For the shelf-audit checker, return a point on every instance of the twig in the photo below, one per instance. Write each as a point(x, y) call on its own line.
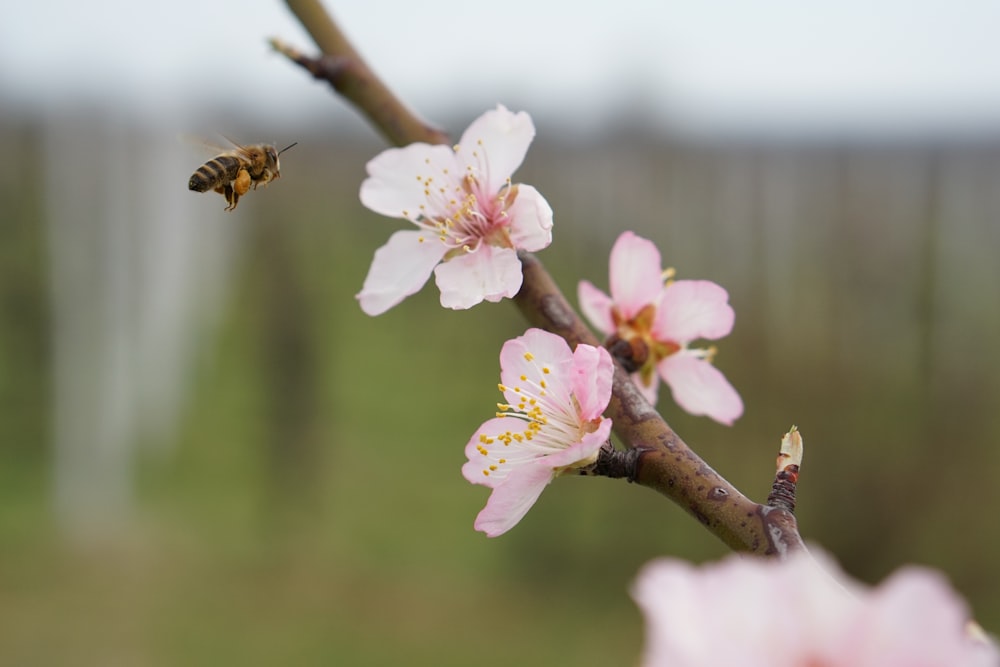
point(787, 477)
point(350, 76)
point(664, 462)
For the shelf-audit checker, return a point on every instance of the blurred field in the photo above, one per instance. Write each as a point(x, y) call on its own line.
point(306, 506)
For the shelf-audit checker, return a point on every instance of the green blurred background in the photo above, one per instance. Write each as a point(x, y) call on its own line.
point(301, 501)
point(209, 455)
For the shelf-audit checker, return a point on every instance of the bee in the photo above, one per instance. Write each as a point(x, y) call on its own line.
point(231, 173)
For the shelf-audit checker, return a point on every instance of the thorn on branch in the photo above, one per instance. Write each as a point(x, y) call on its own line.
point(786, 478)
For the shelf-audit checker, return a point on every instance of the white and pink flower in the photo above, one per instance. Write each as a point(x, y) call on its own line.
point(551, 424)
point(660, 319)
point(471, 220)
point(768, 613)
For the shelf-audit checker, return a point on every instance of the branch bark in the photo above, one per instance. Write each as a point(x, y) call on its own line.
point(664, 463)
point(351, 77)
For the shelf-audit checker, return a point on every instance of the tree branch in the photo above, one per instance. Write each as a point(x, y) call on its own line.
point(350, 76)
point(664, 462)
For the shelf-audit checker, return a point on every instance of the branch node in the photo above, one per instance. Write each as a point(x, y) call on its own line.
point(614, 463)
point(331, 69)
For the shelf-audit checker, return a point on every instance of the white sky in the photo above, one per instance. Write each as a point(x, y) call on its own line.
point(887, 66)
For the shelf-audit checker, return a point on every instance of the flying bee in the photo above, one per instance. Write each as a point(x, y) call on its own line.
point(231, 173)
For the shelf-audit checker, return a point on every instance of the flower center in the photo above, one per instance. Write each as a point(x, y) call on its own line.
point(646, 350)
point(462, 212)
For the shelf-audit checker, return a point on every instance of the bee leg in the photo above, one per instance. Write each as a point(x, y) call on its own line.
point(264, 179)
point(242, 183)
point(232, 197)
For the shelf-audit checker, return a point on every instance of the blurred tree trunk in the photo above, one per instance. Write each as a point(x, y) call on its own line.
point(289, 363)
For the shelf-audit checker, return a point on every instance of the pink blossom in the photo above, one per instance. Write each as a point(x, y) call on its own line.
point(551, 424)
point(659, 320)
point(767, 613)
point(471, 220)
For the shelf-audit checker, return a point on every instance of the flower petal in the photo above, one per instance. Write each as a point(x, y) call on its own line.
point(511, 500)
point(530, 220)
point(913, 618)
point(691, 309)
point(593, 371)
point(395, 186)
point(537, 358)
point(400, 268)
point(583, 452)
point(688, 608)
point(680, 617)
point(596, 307)
point(494, 146)
point(491, 458)
point(651, 391)
point(700, 388)
point(636, 277)
point(489, 273)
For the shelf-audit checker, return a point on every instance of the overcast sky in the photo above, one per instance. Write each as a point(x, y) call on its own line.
point(855, 65)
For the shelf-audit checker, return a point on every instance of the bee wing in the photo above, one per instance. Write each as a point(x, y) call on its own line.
point(211, 147)
point(235, 144)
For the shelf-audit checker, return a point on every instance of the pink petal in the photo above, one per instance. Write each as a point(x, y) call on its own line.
point(528, 356)
point(395, 187)
point(489, 273)
point(511, 500)
point(684, 620)
point(495, 145)
point(530, 220)
point(636, 277)
point(400, 268)
point(651, 391)
point(913, 618)
point(692, 309)
point(514, 455)
point(582, 452)
point(700, 388)
point(592, 377)
point(687, 610)
point(596, 307)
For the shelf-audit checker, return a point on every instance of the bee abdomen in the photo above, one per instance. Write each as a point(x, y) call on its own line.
point(214, 173)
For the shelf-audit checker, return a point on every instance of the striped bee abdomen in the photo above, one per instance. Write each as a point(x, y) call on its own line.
point(214, 173)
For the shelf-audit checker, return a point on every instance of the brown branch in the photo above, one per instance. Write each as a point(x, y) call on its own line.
point(350, 76)
point(665, 463)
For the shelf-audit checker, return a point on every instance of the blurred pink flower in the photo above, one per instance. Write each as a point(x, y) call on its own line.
point(659, 320)
point(471, 220)
point(550, 424)
point(767, 613)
